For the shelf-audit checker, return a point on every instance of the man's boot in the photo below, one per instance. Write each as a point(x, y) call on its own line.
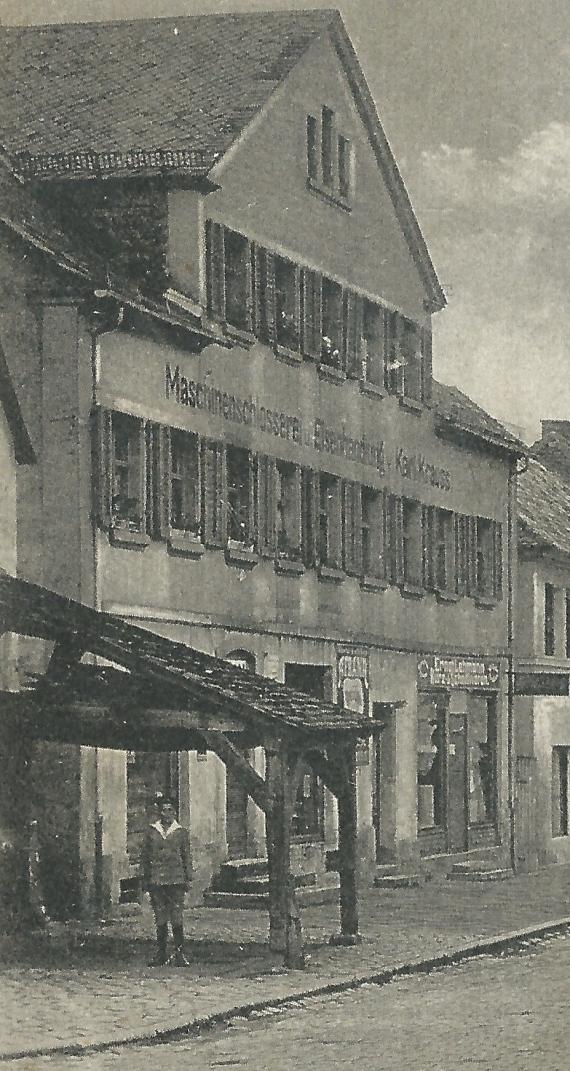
point(179, 957)
point(161, 938)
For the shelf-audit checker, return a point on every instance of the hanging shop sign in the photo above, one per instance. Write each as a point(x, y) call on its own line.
point(458, 672)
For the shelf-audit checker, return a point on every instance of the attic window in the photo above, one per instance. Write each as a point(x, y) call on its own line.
point(330, 162)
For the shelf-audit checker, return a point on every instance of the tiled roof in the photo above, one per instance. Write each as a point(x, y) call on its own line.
point(148, 93)
point(543, 502)
point(460, 411)
point(193, 677)
point(553, 451)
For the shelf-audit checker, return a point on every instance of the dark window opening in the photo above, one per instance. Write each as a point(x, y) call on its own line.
point(394, 366)
point(127, 477)
point(312, 164)
point(371, 532)
point(288, 510)
point(485, 555)
point(549, 640)
point(431, 764)
point(343, 166)
point(327, 120)
point(481, 730)
point(287, 303)
point(329, 521)
point(560, 791)
point(238, 280)
point(411, 541)
point(411, 357)
point(442, 549)
point(374, 344)
point(332, 322)
point(184, 482)
point(239, 493)
point(309, 810)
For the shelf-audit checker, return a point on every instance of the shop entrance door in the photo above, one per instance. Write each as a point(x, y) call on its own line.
point(457, 783)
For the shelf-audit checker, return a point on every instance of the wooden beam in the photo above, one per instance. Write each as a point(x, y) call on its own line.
point(285, 929)
point(67, 652)
point(347, 848)
point(253, 782)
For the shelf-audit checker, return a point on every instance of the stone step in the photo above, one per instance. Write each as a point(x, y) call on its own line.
point(261, 883)
point(236, 868)
point(306, 895)
point(479, 870)
point(399, 881)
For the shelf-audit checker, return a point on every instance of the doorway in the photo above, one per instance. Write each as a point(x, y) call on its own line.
point(236, 793)
point(309, 812)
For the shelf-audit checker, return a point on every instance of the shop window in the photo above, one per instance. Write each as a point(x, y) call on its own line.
point(312, 148)
point(239, 494)
point(431, 764)
point(560, 767)
point(287, 307)
point(372, 532)
point(332, 323)
point(288, 510)
point(374, 344)
point(127, 472)
point(481, 730)
point(184, 482)
point(411, 541)
point(329, 532)
point(327, 128)
point(549, 604)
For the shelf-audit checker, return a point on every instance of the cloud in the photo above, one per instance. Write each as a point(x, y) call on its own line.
point(497, 230)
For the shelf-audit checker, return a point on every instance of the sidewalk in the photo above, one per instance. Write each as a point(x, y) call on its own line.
point(80, 988)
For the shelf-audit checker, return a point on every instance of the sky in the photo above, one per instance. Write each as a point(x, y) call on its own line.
point(474, 96)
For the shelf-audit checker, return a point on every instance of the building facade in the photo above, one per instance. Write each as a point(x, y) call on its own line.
point(542, 705)
point(256, 461)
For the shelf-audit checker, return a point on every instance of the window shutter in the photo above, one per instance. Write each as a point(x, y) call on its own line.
point(378, 537)
point(270, 298)
point(427, 369)
point(497, 560)
point(459, 529)
point(395, 538)
point(266, 506)
point(214, 509)
point(353, 327)
point(312, 314)
point(163, 466)
point(335, 525)
point(471, 555)
point(139, 474)
point(101, 460)
point(309, 516)
point(215, 269)
point(351, 528)
point(428, 547)
point(252, 501)
point(249, 286)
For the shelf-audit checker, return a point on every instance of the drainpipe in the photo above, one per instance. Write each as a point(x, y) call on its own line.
point(512, 542)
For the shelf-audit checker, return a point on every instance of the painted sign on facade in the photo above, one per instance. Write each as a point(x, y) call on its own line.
point(457, 672)
point(352, 677)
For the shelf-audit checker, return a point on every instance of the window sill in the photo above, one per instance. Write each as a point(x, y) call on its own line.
point(242, 556)
point(373, 583)
point(185, 543)
point(447, 596)
point(283, 353)
point(331, 573)
point(331, 196)
point(239, 334)
point(372, 389)
point(412, 591)
point(328, 371)
point(485, 602)
point(289, 567)
point(411, 405)
point(125, 537)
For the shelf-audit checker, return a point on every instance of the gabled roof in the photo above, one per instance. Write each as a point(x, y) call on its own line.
point(170, 95)
point(459, 411)
point(543, 504)
point(23, 449)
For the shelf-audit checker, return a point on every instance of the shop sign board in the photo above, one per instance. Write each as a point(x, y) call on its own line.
point(458, 671)
point(352, 677)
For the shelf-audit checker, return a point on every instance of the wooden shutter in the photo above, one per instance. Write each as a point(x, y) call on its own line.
point(215, 269)
point(428, 547)
point(214, 497)
point(249, 286)
point(497, 560)
point(395, 538)
point(266, 506)
point(252, 501)
point(378, 536)
point(163, 470)
point(460, 555)
point(426, 369)
point(472, 588)
point(353, 328)
point(309, 516)
point(102, 440)
point(312, 314)
point(334, 518)
point(352, 528)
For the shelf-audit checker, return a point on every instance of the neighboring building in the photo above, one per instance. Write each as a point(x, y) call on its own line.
point(242, 446)
point(542, 631)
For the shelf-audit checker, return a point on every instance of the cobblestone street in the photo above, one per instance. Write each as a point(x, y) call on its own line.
point(91, 986)
point(507, 1012)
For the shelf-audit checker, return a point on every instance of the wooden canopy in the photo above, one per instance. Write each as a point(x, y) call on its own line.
point(162, 695)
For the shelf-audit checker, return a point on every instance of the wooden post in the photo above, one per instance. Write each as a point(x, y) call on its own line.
point(348, 862)
point(285, 931)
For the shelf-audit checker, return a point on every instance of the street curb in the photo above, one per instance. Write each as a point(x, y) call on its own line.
point(382, 977)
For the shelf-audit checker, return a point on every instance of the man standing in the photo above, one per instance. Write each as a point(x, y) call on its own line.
point(166, 873)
